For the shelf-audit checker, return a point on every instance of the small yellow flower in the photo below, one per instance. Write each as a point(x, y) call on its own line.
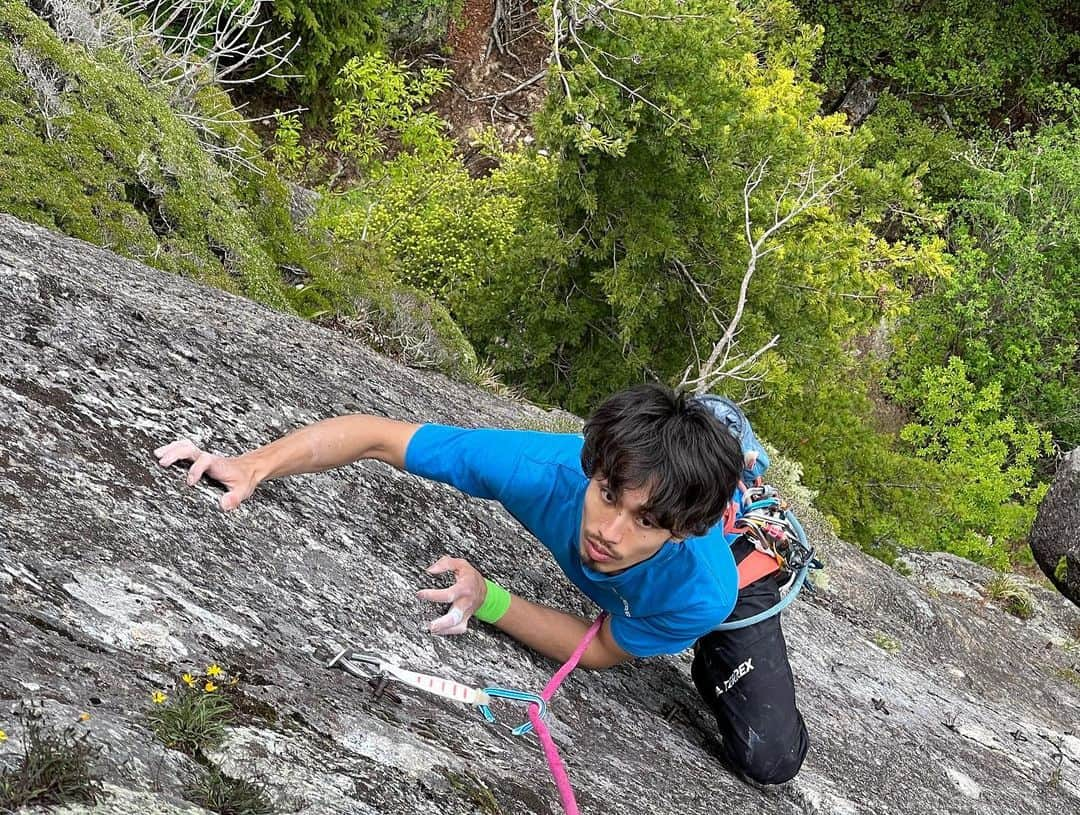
point(213, 670)
point(209, 687)
point(84, 716)
point(234, 680)
point(189, 680)
point(159, 697)
point(3, 736)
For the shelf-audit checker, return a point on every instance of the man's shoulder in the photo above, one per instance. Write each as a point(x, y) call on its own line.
point(536, 441)
point(495, 463)
point(712, 558)
point(541, 449)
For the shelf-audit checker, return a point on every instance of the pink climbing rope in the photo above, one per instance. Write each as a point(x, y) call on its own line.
point(551, 752)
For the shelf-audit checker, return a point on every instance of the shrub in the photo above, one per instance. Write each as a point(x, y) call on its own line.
point(331, 32)
point(987, 460)
point(966, 58)
point(1010, 309)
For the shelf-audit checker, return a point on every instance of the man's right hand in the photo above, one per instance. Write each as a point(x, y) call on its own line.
point(235, 474)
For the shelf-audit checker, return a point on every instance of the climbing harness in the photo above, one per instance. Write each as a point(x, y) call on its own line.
point(382, 670)
point(780, 544)
point(780, 547)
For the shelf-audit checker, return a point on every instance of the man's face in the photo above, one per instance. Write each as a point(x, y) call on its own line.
point(615, 533)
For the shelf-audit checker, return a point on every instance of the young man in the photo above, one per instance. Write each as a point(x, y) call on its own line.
point(630, 510)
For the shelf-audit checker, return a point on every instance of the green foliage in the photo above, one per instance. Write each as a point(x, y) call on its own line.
point(435, 227)
point(902, 567)
point(376, 99)
point(1072, 676)
point(987, 459)
point(89, 151)
point(886, 642)
point(56, 767)
point(418, 23)
point(1012, 595)
point(878, 495)
point(192, 720)
point(962, 59)
point(1011, 307)
point(1061, 571)
point(288, 153)
point(658, 121)
point(906, 146)
point(331, 33)
point(218, 792)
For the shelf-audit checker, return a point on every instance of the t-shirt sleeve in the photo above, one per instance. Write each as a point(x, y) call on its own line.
point(480, 462)
point(535, 476)
point(668, 633)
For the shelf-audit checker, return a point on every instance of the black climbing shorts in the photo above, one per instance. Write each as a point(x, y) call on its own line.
point(745, 679)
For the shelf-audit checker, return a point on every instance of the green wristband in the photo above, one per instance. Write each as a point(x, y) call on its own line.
point(495, 604)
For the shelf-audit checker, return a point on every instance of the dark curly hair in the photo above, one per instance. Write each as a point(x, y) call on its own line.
point(654, 437)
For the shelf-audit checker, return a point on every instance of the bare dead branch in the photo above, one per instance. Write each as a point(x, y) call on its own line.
point(809, 191)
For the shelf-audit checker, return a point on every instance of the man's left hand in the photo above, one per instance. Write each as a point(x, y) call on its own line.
point(465, 596)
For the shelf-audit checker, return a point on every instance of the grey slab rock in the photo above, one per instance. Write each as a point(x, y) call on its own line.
point(920, 695)
point(1055, 536)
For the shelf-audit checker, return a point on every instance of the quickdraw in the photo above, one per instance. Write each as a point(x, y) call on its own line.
point(382, 669)
point(349, 660)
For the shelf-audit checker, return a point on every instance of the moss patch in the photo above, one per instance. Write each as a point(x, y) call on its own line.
point(89, 150)
point(86, 149)
point(886, 643)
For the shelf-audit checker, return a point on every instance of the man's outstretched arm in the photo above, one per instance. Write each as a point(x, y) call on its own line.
point(553, 633)
point(311, 449)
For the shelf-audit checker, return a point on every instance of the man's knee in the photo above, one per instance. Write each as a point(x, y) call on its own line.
point(770, 764)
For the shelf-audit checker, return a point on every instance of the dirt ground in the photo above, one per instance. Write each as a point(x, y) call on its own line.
point(482, 73)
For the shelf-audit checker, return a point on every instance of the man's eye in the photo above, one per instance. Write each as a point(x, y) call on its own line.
point(648, 523)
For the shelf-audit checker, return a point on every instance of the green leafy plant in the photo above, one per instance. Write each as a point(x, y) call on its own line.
point(287, 151)
point(1010, 307)
point(376, 100)
point(55, 766)
point(331, 32)
point(962, 61)
point(987, 461)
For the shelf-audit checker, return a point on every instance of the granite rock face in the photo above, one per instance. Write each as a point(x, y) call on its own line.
point(1055, 536)
point(920, 695)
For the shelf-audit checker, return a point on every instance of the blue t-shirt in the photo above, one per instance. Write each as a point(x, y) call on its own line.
point(659, 606)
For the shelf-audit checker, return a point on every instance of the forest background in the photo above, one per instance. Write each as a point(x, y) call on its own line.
point(860, 219)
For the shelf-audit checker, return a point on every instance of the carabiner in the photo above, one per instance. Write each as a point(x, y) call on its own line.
point(516, 696)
